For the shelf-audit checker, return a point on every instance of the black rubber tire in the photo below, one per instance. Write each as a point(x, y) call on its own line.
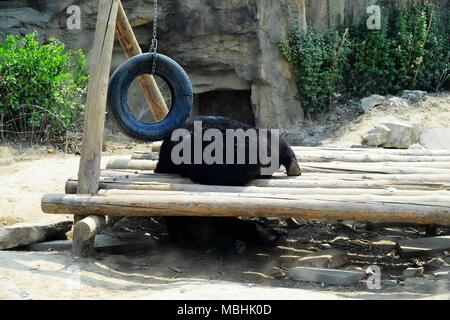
point(176, 79)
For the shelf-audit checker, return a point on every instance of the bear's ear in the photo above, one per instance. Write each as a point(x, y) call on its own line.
point(293, 169)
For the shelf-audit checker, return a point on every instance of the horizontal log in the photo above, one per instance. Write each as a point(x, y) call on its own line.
point(359, 157)
point(331, 167)
point(405, 152)
point(127, 175)
point(199, 205)
point(145, 184)
point(166, 187)
point(124, 163)
point(381, 167)
point(90, 226)
point(366, 157)
point(421, 199)
point(156, 146)
point(145, 156)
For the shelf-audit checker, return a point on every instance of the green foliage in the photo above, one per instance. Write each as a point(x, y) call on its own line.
point(319, 61)
point(42, 87)
point(411, 51)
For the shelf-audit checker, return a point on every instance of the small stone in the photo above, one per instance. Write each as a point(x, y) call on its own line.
point(326, 259)
point(412, 273)
point(389, 283)
point(433, 264)
point(277, 273)
point(442, 273)
point(422, 283)
point(371, 102)
point(417, 146)
point(175, 269)
point(414, 95)
point(327, 276)
point(318, 129)
point(423, 246)
point(293, 223)
point(273, 221)
point(398, 103)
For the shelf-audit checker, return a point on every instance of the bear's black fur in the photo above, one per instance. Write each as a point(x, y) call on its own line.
point(229, 235)
point(222, 174)
point(223, 234)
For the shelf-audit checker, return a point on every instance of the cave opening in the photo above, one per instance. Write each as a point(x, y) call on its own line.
point(234, 104)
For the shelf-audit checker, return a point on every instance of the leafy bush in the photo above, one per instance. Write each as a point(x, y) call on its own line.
point(42, 88)
point(319, 60)
point(411, 51)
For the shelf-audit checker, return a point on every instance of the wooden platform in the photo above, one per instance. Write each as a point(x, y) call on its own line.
point(377, 185)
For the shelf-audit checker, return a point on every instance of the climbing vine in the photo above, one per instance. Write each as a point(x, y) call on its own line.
point(409, 51)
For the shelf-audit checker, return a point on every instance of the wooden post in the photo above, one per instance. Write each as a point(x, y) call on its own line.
point(94, 121)
point(147, 82)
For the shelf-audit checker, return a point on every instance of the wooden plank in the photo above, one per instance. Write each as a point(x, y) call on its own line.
point(282, 179)
point(94, 119)
point(278, 191)
point(415, 199)
point(365, 157)
point(360, 157)
point(423, 246)
point(124, 163)
point(330, 151)
point(168, 183)
point(405, 152)
point(124, 242)
point(147, 82)
point(329, 167)
point(200, 205)
point(437, 164)
point(145, 156)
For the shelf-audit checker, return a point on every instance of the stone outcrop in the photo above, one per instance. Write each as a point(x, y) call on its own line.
point(224, 45)
point(396, 135)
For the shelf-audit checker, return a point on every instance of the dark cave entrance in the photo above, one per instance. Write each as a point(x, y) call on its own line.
point(234, 104)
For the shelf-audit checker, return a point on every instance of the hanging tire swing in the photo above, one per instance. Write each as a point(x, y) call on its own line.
point(170, 72)
point(180, 88)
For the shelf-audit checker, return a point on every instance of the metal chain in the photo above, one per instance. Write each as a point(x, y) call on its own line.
point(154, 43)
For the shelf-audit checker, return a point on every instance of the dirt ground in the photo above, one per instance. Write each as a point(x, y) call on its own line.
point(347, 122)
point(169, 272)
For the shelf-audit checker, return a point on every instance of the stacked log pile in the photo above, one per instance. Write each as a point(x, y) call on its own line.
point(378, 185)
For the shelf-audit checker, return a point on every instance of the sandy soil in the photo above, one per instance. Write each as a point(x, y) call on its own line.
point(431, 112)
point(347, 123)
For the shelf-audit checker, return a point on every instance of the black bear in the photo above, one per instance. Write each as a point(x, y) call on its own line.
point(224, 234)
point(233, 173)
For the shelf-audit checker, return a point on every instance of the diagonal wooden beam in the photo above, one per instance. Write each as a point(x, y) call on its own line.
point(147, 82)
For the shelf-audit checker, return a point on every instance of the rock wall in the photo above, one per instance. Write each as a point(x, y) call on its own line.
point(224, 45)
